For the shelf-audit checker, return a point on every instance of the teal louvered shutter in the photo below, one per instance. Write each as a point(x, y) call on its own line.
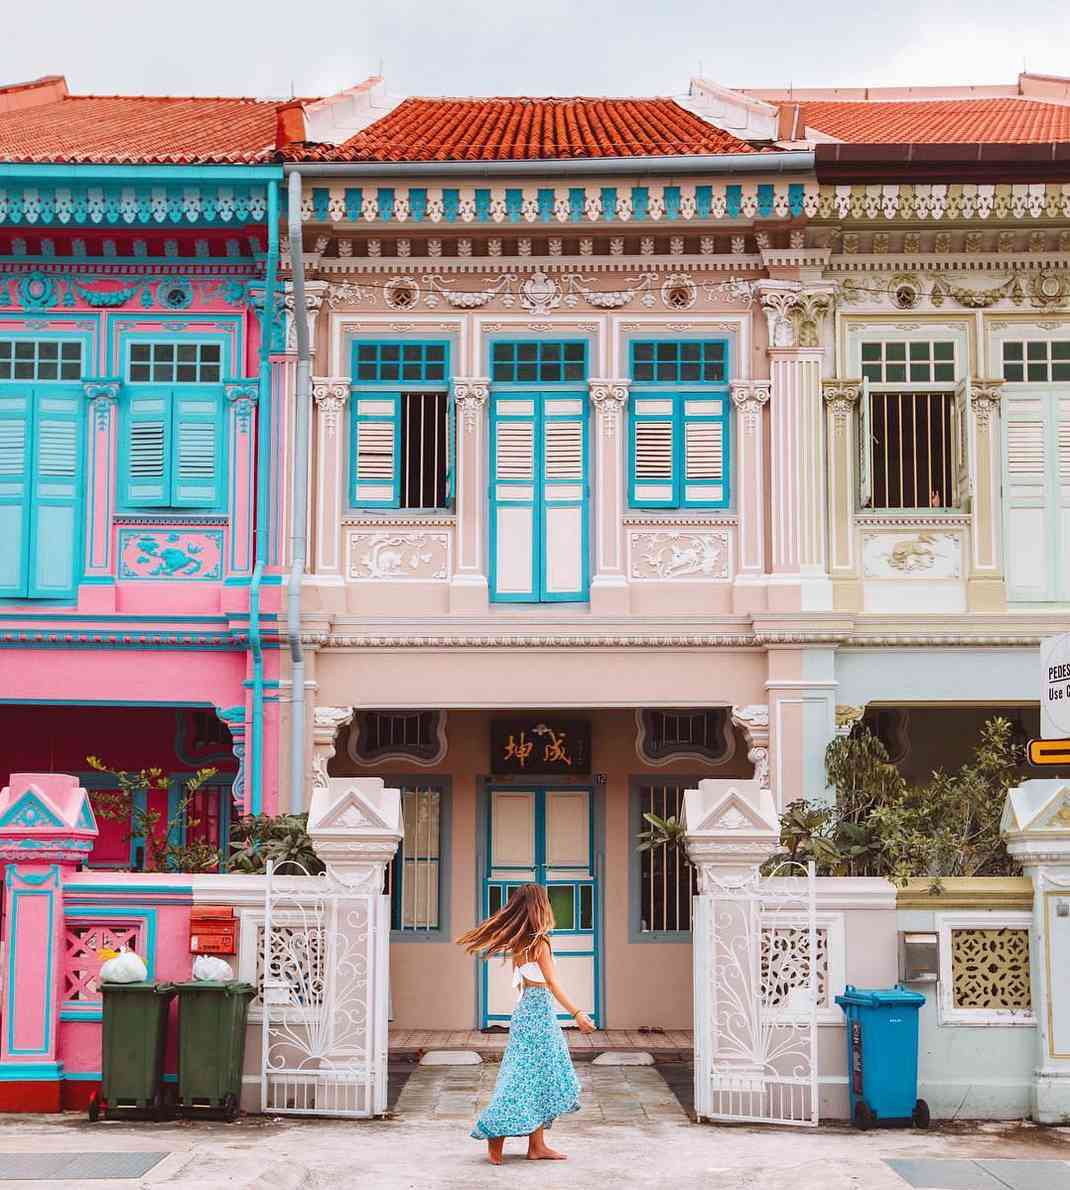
point(704, 430)
point(451, 449)
point(147, 449)
point(564, 498)
point(56, 523)
point(514, 542)
point(376, 455)
point(652, 435)
point(16, 429)
point(198, 457)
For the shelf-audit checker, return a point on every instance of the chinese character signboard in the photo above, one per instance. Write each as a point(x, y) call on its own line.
point(540, 746)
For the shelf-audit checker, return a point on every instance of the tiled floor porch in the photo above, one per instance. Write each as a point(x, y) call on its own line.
point(664, 1042)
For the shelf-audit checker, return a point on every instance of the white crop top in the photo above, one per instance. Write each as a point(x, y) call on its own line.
point(532, 972)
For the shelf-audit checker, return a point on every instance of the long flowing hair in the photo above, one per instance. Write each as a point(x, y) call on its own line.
point(517, 928)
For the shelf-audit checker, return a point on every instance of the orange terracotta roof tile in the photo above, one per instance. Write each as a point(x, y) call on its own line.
point(140, 129)
point(523, 129)
point(939, 121)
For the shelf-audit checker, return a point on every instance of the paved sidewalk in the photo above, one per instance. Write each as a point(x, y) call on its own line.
point(610, 1095)
point(414, 1152)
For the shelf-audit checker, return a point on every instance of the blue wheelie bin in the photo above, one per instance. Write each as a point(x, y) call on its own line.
point(882, 1057)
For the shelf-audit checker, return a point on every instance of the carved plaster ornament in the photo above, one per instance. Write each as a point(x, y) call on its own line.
point(739, 245)
point(399, 555)
point(434, 247)
point(973, 242)
point(523, 246)
point(880, 243)
point(470, 395)
point(1038, 241)
point(841, 397)
point(555, 246)
point(539, 293)
point(679, 554)
point(586, 246)
point(797, 239)
point(464, 247)
point(404, 248)
point(616, 246)
point(646, 246)
point(753, 721)
point(707, 246)
point(763, 240)
point(330, 396)
point(494, 247)
point(678, 291)
point(321, 244)
point(749, 396)
point(1048, 288)
point(985, 397)
point(912, 243)
point(401, 293)
point(1064, 241)
point(676, 245)
point(375, 247)
point(942, 243)
point(609, 398)
point(469, 299)
point(976, 299)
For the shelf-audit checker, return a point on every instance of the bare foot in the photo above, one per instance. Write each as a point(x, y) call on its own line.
point(546, 1154)
point(494, 1150)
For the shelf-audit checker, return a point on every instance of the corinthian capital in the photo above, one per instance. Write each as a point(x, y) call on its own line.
point(470, 394)
point(841, 396)
point(796, 316)
point(609, 397)
point(985, 396)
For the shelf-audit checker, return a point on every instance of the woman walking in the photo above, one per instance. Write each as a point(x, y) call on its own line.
point(536, 1082)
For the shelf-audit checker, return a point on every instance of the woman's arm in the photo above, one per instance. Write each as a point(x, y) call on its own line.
point(544, 957)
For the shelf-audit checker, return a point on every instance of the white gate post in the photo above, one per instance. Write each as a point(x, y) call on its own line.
point(1036, 826)
point(355, 826)
point(731, 829)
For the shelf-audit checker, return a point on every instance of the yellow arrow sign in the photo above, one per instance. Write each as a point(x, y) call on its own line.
point(1053, 752)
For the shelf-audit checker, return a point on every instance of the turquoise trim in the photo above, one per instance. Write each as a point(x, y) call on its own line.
point(531, 494)
point(30, 811)
point(587, 876)
point(81, 1076)
point(147, 172)
point(15, 898)
point(26, 1072)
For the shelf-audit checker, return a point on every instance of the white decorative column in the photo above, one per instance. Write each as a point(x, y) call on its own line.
point(1036, 827)
point(731, 829)
point(841, 404)
point(355, 827)
point(326, 722)
point(799, 581)
point(315, 294)
point(468, 583)
point(609, 582)
point(100, 484)
point(985, 589)
point(329, 397)
point(749, 398)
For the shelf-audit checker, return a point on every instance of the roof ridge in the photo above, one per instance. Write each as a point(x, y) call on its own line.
point(186, 98)
point(543, 99)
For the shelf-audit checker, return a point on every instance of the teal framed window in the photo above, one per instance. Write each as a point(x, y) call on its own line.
point(680, 425)
point(1036, 361)
point(401, 427)
point(539, 362)
point(697, 361)
point(175, 363)
point(40, 359)
point(921, 361)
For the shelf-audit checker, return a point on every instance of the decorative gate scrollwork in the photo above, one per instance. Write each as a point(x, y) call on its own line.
point(322, 975)
point(761, 973)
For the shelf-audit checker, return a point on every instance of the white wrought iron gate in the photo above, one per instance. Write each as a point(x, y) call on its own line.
point(323, 993)
point(759, 978)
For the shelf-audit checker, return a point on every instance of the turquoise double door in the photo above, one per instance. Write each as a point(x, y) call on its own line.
point(546, 836)
point(539, 480)
point(41, 452)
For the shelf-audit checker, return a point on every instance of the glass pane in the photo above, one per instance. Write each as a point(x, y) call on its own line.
point(944, 372)
point(644, 371)
point(871, 372)
point(715, 351)
point(871, 351)
point(411, 353)
point(919, 372)
point(391, 351)
point(693, 371)
point(667, 351)
point(47, 370)
point(23, 370)
point(366, 352)
point(919, 350)
point(494, 898)
point(165, 351)
point(573, 371)
point(436, 371)
point(1014, 372)
point(575, 351)
point(162, 371)
point(562, 902)
point(692, 351)
point(1059, 372)
point(1012, 350)
point(1036, 350)
point(551, 371)
point(644, 351)
point(411, 371)
point(503, 351)
point(1038, 371)
point(1061, 350)
point(586, 907)
point(187, 353)
point(388, 371)
point(70, 371)
point(713, 371)
point(896, 372)
point(48, 350)
point(139, 372)
point(896, 351)
point(503, 372)
point(5, 349)
point(437, 353)
point(368, 371)
point(525, 372)
point(24, 351)
point(186, 372)
point(527, 351)
point(944, 351)
point(139, 353)
point(666, 371)
point(551, 351)
point(210, 373)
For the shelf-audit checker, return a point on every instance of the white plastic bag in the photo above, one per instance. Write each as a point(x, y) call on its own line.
point(126, 967)
point(209, 969)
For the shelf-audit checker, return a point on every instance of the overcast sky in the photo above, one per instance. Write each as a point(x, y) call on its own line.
point(541, 47)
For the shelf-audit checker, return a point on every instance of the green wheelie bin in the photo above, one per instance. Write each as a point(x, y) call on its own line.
point(132, 1045)
point(211, 1046)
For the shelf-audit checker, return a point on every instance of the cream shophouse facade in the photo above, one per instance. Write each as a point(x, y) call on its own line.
point(648, 462)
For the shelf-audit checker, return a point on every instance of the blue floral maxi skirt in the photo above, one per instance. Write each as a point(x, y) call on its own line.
point(536, 1082)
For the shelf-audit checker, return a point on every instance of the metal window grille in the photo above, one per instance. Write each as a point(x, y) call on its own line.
point(669, 733)
point(1036, 361)
point(912, 449)
point(176, 363)
point(413, 876)
point(397, 733)
point(40, 359)
point(666, 882)
point(425, 441)
point(679, 362)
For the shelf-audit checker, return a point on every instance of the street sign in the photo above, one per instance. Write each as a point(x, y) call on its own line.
point(1055, 687)
point(1049, 752)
